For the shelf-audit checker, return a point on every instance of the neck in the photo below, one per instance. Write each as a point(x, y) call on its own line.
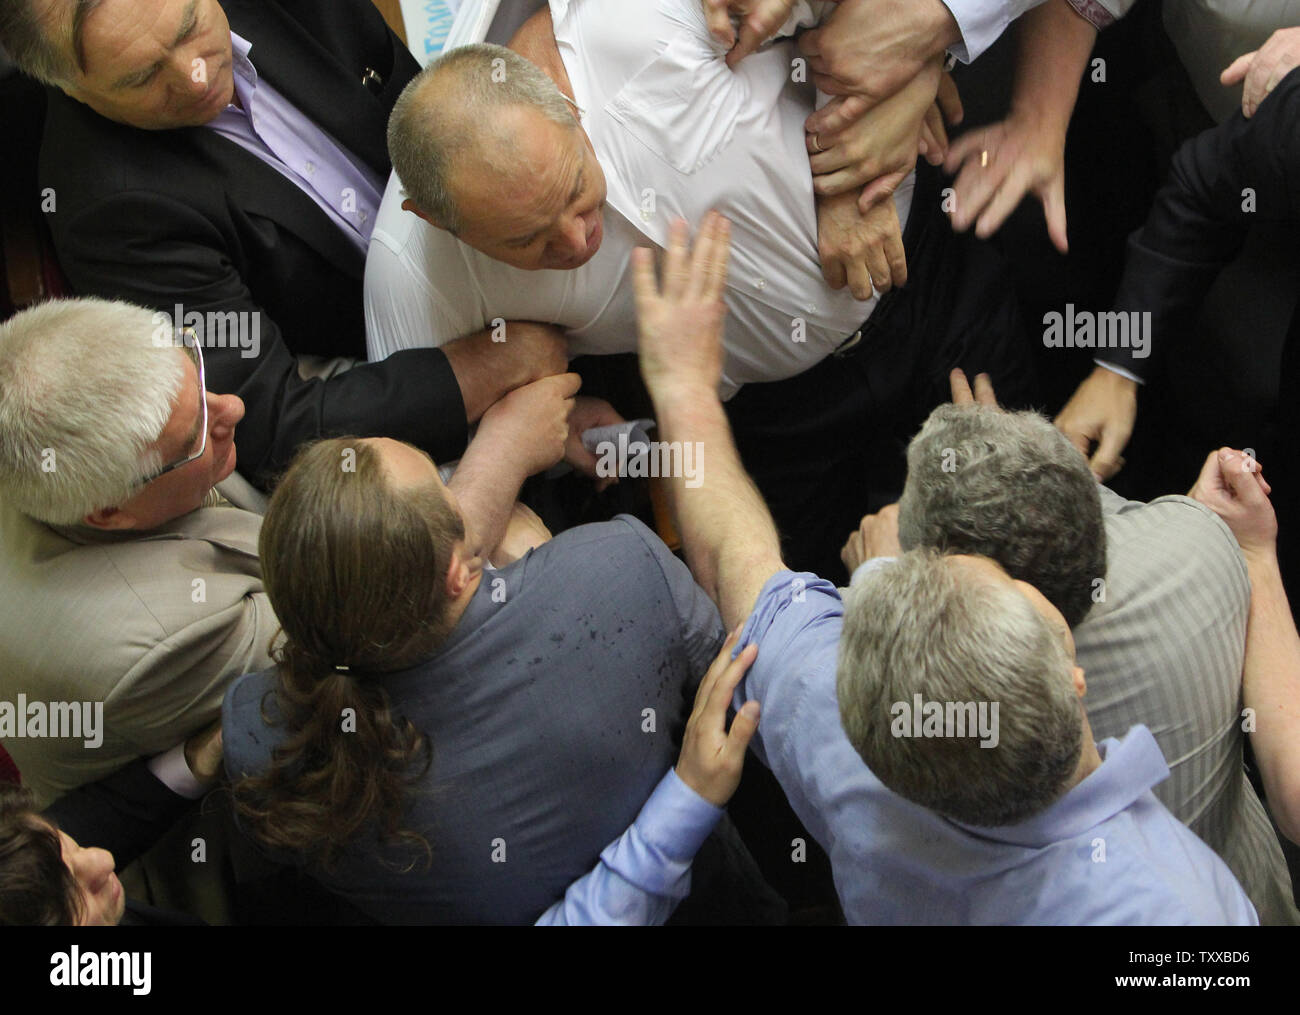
point(1089, 757)
point(535, 41)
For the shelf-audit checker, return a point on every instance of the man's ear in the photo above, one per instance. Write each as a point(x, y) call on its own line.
point(1080, 685)
point(459, 573)
point(109, 519)
point(409, 205)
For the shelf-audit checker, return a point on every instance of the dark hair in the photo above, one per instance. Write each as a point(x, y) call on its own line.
point(36, 886)
point(354, 570)
point(34, 45)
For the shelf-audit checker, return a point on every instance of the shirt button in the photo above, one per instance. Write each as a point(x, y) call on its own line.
point(311, 168)
point(760, 284)
point(811, 308)
point(362, 215)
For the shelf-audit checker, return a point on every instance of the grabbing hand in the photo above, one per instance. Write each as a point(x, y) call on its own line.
point(712, 759)
point(759, 21)
point(1103, 409)
point(530, 426)
point(877, 536)
point(862, 250)
point(588, 412)
point(681, 327)
point(868, 49)
point(1263, 69)
point(999, 165)
point(881, 145)
point(1232, 485)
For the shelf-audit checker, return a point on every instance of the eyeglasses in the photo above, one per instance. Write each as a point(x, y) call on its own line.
point(189, 341)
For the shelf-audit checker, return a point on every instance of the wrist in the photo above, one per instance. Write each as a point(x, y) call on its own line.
point(1262, 563)
point(944, 30)
point(1105, 375)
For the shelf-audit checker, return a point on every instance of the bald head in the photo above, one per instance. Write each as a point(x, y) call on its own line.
point(450, 123)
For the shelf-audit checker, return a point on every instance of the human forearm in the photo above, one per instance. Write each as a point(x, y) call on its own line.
point(1271, 688)
point(730, 540)
point(1055, 43)
point(487, 485)
point(491, 363)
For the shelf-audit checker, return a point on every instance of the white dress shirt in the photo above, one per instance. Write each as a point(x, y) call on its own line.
point(677, 133)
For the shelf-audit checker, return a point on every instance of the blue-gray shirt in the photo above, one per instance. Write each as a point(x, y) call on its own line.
point(1108, 852)
point(554, 709)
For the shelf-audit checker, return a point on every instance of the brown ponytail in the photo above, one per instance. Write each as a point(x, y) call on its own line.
point(355, 572)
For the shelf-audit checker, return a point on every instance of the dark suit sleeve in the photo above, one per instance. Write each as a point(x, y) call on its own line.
point(1202, 215)
point(179, 257)
point(125, 813)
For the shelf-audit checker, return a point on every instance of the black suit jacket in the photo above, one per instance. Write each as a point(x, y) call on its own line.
point(1203, 213)
point(186, 216)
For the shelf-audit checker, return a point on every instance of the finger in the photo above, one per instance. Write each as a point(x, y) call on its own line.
point(1256, 80)
point(897, 256)
point(935, 136)
point(984, 394)
point(724, 686)
point(1054, 212)
point(833, 272)
point(961, 393)
point(1107, 460)
point(833, 117)
point(810, 43)
point(949, 99)
point(716, 280)
point(716, 669)
point(841, 182)
point(1004, 201)
point(1211, 476)
point(701, 256)
point(677, 270)
point(715, 12)
point(743, 728)
point(567, 385)
point(881, 277)
point(1235, 72)
point(847, 551)
point(975, 188)
point(880, 190)
point(753, 33)
point(644, 284)
point(860, 279)
point(1240, 480)
point(831, 158)
point(962, 148)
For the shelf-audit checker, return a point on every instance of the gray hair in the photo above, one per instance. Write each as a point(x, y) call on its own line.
point(1009, 486)
point(445, 113)
point(86, 388)
point(923, 624)
point(51, 57)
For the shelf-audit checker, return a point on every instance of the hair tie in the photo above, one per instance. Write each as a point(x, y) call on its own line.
point(342, 669)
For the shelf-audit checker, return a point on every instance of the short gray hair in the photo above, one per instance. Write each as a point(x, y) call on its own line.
point(922, 624)
point(1009, 486)
point(51, 57)
point(85, 389)
point(432, 126)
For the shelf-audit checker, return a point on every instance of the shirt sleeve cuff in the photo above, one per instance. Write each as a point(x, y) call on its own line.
point(672, 826)
point(981, 23)
point(173, 771)
point(1120, 370)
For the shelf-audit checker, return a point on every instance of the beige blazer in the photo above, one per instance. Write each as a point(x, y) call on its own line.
point(152, 625)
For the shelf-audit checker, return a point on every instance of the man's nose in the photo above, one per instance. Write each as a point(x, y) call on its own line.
point(93, 867)
point(575, 235)
point(191, 73)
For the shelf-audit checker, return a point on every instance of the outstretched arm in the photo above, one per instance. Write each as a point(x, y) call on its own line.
point(730, 539)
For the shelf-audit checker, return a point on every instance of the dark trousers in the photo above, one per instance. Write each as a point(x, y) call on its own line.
point(827, 446)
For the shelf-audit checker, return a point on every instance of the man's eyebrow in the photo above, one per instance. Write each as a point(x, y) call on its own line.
point(187, 26)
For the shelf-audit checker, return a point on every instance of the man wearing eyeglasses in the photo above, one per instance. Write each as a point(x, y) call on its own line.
point(127, 579)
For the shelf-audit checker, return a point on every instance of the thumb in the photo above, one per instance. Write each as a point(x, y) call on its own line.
point(880, 189)
point(1107, 460)
point(1235, 72)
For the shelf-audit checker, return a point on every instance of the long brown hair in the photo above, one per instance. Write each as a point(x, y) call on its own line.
point(355, 571)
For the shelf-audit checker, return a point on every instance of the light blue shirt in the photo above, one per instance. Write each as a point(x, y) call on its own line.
point(645, 872)
point(276, 131)
point(1107, 852)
